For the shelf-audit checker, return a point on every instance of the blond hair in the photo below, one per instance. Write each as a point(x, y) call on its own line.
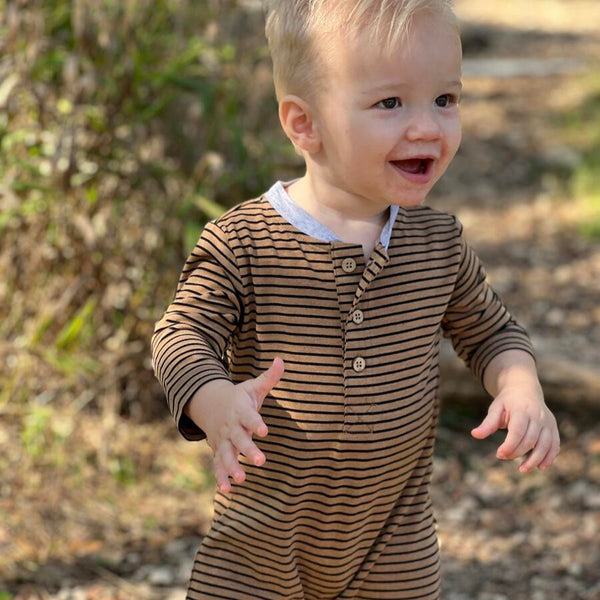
point(293, 25)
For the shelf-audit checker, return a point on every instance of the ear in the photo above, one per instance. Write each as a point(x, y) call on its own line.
point(297, 120)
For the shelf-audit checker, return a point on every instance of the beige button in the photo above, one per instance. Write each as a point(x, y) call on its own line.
point(358, 317)
point(348, 265)
point(359, 364)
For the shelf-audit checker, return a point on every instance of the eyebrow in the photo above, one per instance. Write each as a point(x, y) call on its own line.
point(395, 85)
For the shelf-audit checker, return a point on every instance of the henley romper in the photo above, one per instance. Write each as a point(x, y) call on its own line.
point(341, 508)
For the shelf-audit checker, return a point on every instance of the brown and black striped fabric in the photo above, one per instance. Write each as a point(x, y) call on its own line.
point(341, 509)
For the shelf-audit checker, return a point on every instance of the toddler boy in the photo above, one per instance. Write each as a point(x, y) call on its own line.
point(323, 466)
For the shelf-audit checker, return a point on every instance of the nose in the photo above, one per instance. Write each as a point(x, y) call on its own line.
point(423, 125)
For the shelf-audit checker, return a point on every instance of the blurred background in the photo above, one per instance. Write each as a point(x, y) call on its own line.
point(125, 127)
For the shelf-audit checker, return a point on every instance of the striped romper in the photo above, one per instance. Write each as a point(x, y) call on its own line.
point(341, 508)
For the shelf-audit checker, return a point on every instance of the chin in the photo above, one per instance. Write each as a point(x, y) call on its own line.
point(414, 204)
point(409, 200)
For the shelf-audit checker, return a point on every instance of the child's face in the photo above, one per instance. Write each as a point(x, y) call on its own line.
point(389, 123)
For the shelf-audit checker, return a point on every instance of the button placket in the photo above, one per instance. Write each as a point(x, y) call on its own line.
point(358, 421)
point(352, 281)
point(377, 264)
point(348, 267)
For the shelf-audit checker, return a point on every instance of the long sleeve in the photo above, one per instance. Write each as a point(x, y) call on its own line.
point(190, 341)
point(476, 320)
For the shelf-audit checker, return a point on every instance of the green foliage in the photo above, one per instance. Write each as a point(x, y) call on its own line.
point(583, 127)
point(124, 127)
point(122, 469)
point(44, 434)
point(33, 435)
point(79, 327)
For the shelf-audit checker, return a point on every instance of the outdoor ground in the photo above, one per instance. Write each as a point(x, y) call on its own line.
point(98, 509)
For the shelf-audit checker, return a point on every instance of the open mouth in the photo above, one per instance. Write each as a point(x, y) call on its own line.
point(414, 166)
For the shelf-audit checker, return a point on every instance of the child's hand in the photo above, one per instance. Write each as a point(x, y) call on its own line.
point(531, 427)
point(229, 415)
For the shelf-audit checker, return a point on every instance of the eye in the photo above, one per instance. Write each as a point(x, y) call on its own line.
point(446, 100)
point(389, 103)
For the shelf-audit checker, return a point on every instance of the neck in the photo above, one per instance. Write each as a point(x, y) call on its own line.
point(350, 219)
point(325, 201)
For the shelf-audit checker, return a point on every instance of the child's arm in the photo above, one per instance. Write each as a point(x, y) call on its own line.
point(519, 406)
point(499, 353)
point(189, 347)
point(229, 416)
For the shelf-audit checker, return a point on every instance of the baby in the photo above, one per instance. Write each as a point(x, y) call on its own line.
point(323, 466)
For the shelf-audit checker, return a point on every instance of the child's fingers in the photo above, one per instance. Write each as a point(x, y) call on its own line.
point(530, 440)
point(552, 453)
point(254, 423)
point(517, 428)
point(266, 381)
point(492, 422)
point(221, 476)
point(227, 465)
point(242, 440)
point(538, 453)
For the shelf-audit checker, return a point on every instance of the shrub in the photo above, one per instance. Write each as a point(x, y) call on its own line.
point(121, 134)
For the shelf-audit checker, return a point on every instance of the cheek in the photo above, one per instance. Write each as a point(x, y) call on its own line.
point(375, 139)
point(453, 135)
point(364, 142)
